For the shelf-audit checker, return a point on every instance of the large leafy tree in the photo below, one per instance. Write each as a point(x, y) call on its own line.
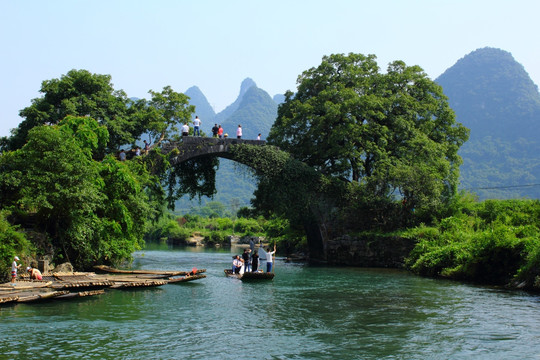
point(92, 211)
point(165, 111)
point(388, 133)
point(80, 93)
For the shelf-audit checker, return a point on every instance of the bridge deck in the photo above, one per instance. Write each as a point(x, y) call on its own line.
point(193, 146)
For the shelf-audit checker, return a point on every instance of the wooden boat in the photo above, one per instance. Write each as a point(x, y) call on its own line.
point(174, 280)
point(250, 275)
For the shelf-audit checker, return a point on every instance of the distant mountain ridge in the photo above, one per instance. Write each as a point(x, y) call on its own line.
point(492, 95)
point(256, 111)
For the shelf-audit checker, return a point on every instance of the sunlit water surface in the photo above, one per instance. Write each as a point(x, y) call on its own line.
point(304, 313)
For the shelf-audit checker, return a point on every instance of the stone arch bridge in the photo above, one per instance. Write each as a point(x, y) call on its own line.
point(192, 147)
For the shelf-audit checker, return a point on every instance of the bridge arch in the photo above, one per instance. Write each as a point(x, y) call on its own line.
point(270, 162)
point(192, 147)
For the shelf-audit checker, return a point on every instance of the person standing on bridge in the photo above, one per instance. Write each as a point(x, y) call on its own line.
point(220, 132)
point(196, 126)
point(239, 132)
point(185, 130)
point(215, 131)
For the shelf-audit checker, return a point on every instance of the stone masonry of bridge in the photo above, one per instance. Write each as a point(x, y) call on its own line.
point(191, 147)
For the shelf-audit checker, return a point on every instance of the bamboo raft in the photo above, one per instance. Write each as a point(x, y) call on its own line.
point(173, 280)
point(159, 273)
point(82, 284)
point(250, 275)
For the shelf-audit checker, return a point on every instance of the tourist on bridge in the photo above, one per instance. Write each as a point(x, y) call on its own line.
point(35, 274)
point(239, 132)
point(14, 268)
point(215, 131)
point(146, 146)
point(220, 132)
point(196, 126)
point(259, 136)
point(185, 129)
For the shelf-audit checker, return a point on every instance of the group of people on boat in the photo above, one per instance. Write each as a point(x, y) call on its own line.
point(249, 262)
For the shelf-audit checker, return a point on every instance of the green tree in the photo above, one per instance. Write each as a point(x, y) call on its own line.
point(165, 112)
point(391, 133)
point(79, 93)
point(93, 211)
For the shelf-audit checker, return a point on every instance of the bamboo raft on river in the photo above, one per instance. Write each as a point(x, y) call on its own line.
point(248, 275)
point(82, 284)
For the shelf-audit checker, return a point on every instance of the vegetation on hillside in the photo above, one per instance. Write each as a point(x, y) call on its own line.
point(493, 95)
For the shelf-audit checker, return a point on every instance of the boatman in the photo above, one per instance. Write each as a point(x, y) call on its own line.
point(268, 255)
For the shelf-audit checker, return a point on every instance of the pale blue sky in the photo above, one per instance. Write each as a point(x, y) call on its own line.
point(215, 44)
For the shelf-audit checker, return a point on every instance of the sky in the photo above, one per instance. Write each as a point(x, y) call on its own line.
point(216, 44)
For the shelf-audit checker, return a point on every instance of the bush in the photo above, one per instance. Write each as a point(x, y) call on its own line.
point(12, 242)
point(497, 243)
point(247, 226)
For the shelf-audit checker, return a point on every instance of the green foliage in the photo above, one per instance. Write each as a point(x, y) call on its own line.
point(493, 95)
point(12, 242)
point(79, 93)
point(492, 242)
point(392, 134)
point(165, 112)
point(93, 211)
point(247, 226)
point(289, 238)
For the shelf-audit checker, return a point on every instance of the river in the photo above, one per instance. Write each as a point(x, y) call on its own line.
point(306, 312)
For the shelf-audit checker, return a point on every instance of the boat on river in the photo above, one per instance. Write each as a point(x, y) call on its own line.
point(257, 275)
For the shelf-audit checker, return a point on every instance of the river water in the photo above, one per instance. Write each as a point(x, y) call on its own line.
point(306, 312)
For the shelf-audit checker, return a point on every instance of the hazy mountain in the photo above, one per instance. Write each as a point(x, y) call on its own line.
point(256, 113)
point(492, 95)
point(203, 110)
point(255, 110)
point(229, 110)
point(279, 98)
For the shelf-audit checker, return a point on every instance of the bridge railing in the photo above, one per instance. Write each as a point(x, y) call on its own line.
point(208, 141)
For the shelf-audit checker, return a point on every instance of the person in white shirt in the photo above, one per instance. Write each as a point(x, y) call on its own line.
point(237, 264)
point(14, 267)
point(239, 132)
point(196, 126)
point(185, 130)
point(269, 254)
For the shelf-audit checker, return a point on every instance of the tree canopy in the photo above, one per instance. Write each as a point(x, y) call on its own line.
point(92, 211)
point(79, 93)
point(392, 133)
